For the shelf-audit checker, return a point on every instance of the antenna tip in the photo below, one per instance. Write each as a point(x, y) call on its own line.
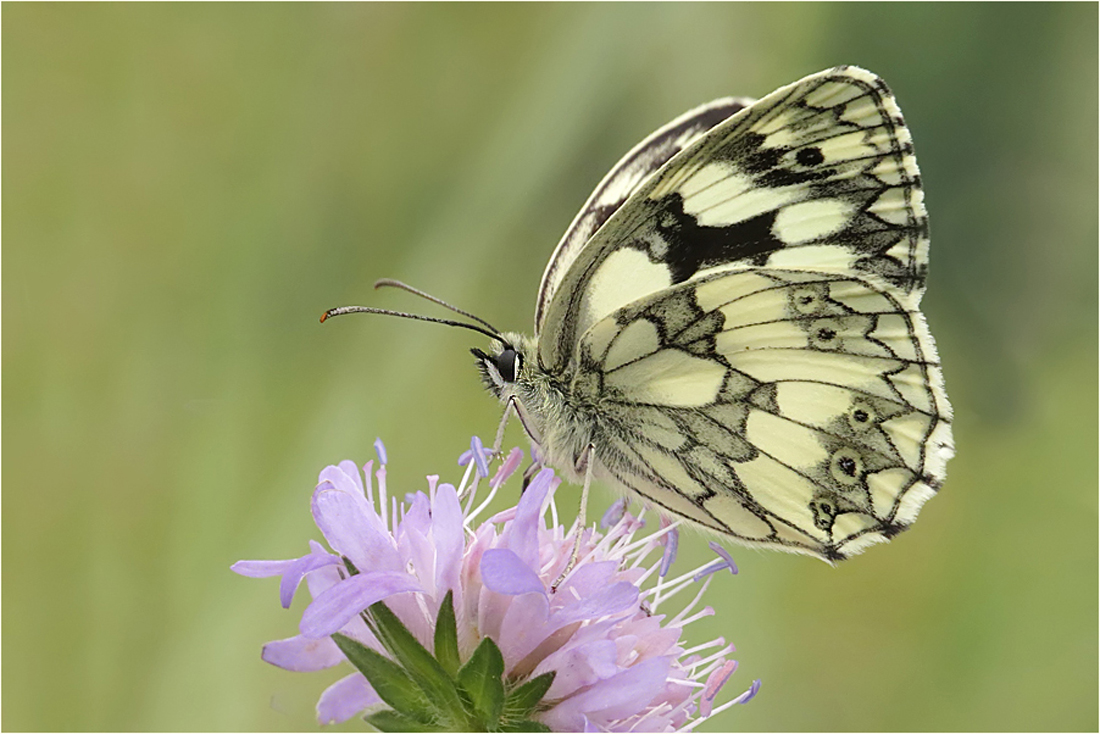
point(324, 316)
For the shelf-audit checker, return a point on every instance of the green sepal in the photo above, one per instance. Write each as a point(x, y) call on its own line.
point(392, 684)
point(481, 679)
point(389, 720)
point(522, 701)
point(524, 725)
point(446, 636)
point(415, 659)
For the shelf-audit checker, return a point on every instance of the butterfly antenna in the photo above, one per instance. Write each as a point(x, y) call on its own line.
point(389, 282)
point(367, 309)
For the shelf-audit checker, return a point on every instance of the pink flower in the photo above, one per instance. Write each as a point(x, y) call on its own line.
point(594, 654)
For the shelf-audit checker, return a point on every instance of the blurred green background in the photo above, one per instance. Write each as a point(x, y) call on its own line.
point(187, 187)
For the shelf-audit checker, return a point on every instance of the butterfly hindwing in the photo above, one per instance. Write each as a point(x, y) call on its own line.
point(784, 407)
point(817, 175)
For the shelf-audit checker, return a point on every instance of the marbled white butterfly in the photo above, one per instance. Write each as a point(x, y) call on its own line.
point(730, 331)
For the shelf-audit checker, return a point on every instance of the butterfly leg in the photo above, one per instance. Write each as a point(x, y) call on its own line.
point(585, 460)
point(529, 473)
point(509, 408)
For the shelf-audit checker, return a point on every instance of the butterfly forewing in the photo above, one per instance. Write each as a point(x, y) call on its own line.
point(784, 407)
point(623, 180)
point(818, 175)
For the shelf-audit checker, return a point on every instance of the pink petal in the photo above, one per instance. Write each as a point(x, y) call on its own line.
point(523, 627)
point(589, 578)
point(449, 537)
point(303, 654)
point(580, 666)
point(470, 605)
point(617, 697)
point(653, 638)
point(505, 573)
point(491, 608)
point(323, 579)
point(503, 516)
point(353, 529)
point(617, 598)
point(413, 543)
point(299, 568)
point(335, 607)
point(418, 514)
point(521, 535)
point(344, 477)
point(261, 569)
point(345, 698)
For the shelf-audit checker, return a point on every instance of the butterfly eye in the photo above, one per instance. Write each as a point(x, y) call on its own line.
point(508, 363)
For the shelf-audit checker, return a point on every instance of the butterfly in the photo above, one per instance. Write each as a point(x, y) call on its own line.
point(730, 327)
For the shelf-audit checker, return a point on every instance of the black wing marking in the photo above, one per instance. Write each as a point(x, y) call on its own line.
point(623, 180)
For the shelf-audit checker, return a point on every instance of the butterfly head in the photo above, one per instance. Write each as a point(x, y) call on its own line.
point(504, 364)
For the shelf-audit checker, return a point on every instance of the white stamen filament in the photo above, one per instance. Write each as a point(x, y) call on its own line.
point(677, 620)
point(704, 646)
point(701, 614)
point(381, 474)
point(462, 488)
point(708, 664)
point(493, 487)
point(367, 468)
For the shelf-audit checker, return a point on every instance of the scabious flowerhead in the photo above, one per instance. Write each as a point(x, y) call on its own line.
point(452, 626)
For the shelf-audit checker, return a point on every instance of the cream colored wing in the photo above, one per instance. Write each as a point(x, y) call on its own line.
point(819, 175)
point(623, 180)
point(796, 409)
